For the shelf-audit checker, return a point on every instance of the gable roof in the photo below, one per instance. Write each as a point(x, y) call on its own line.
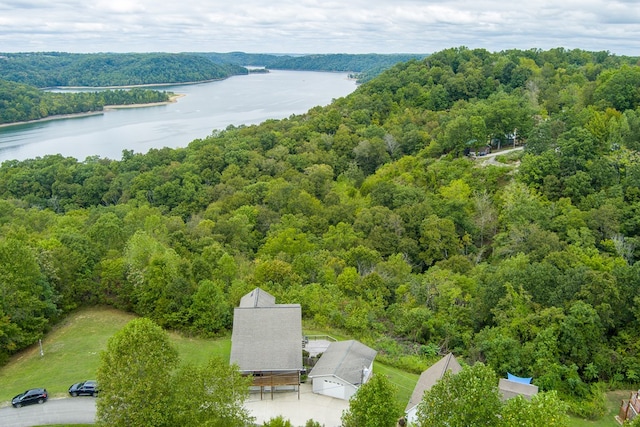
point(429, 377)
point(257, 298)
point(509, 388)
point(266, 336)
point(345, 360)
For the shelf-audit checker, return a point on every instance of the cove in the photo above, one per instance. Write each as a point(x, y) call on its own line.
point(204, 108)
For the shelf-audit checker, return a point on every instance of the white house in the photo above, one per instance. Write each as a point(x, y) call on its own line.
point(343, 367)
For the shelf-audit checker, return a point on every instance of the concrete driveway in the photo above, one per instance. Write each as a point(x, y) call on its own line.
point(323, 409)
point(80, 410)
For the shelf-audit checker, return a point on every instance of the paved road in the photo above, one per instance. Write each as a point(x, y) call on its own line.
point(79, 410)
point(490, 159)
point(82, 410)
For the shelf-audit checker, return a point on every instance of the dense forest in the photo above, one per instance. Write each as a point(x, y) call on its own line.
point(363, 66)
point(54, 69)
point(369, 214)
point(19, 102)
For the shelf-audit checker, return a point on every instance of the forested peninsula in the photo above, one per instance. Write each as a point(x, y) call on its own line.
point(374, 215)
point(23, 103)
point(21, 74)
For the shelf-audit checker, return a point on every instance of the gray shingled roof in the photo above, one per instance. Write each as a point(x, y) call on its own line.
point(509, 389)
point(345, 360)
point(266, 338)
point(429, 377)
point(258, 298)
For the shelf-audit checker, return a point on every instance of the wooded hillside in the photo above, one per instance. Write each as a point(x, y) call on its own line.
point(53, 69)
point(369, 214)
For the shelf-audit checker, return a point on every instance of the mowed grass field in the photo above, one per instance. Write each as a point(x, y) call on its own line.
point(72, 353)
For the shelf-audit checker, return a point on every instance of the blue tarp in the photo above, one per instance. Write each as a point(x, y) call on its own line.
point(512, 377)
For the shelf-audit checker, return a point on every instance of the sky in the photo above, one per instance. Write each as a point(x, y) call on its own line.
point(318, 26)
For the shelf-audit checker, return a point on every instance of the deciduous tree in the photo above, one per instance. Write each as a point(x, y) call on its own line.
point(468, 398)
point(373, 405)
point(135, 377)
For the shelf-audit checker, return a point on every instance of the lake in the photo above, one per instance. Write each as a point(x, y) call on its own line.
point(206, 107)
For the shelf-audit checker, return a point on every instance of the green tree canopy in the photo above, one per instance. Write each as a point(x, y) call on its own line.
point(373, 405)
point(135, 377)
point(468, 398)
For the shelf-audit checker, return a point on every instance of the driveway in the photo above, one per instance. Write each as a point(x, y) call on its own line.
point(80, 410)
point(323, 409)
point(490, 159)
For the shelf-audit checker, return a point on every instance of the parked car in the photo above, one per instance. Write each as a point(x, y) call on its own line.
point(34, 395)
point(86, 388)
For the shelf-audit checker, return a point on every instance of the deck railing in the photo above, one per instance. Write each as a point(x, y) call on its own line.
point(319, 337)
point(629, 409)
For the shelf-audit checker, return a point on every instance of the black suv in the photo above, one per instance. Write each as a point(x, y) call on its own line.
point(34, 395)
point(87, 388)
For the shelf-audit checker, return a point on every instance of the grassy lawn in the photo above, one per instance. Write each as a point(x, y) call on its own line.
point(613, 406)
point(405, 381)
point(72, 353)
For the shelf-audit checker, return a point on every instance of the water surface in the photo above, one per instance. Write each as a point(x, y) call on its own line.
point(205, 107)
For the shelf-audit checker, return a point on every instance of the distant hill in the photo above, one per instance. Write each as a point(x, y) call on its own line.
point(342, 62)
point(50, 69)
point(364, 66)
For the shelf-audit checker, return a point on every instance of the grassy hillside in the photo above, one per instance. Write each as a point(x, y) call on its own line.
point(72, 353)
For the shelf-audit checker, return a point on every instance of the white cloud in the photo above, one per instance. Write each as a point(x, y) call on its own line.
point(307, 26)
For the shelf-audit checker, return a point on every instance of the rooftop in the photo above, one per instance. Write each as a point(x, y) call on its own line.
point(429, 377)
point(266, 336)
point(345, 360)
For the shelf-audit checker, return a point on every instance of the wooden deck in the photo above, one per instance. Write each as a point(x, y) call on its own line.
point(629, 409)
point(276, 379)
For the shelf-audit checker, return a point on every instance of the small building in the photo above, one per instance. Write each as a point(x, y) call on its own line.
point(513, 386)
point(427, 380)
point(629, 409)
point(266, 341)
point(342, 369)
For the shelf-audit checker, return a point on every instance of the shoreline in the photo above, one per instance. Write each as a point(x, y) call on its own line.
point(105, 109)
point(132, 86)
point(172, 99)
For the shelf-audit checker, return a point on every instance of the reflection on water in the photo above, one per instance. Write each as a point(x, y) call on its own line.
point(206, 107)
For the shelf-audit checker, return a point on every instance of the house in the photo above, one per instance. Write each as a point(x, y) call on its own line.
point(342, 369)
point(266, 341)
point(513, 386)
point(427, 380)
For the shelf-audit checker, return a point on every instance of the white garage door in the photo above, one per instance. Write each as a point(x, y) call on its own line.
point(332, 388)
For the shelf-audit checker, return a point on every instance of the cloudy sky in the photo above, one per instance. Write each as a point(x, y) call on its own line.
point(317, 26)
